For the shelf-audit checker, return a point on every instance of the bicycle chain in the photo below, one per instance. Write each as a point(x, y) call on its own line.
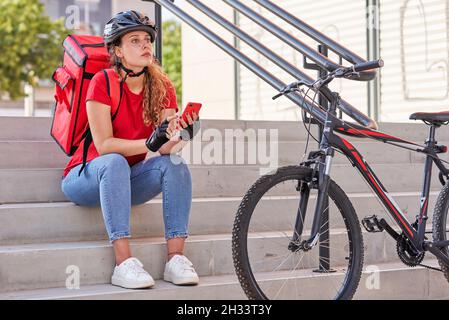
point(429, 267)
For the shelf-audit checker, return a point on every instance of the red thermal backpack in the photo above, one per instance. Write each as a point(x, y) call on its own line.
point(84, 56)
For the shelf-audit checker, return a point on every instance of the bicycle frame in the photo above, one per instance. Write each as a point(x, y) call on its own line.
point(330, 140)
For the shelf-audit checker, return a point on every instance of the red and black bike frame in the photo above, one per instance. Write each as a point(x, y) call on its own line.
point(373, 181)
point(331, 140)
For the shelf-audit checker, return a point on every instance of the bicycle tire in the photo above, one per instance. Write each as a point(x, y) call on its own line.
point(244, 214)
point(439, 224)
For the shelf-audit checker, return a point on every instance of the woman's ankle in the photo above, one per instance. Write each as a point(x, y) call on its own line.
point(122, 250)
point(172, 254)
point(118, 261)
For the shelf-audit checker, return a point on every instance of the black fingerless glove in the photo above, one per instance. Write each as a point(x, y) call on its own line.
point(191, 130)
point(158, 138)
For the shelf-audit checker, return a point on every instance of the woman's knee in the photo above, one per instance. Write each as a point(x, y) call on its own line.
point(114, 163)
point(81, 190)
point(173, 161)
point(176, 165)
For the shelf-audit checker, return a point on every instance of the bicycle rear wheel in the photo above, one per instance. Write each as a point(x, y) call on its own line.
point(440, 225)
point(267, 265)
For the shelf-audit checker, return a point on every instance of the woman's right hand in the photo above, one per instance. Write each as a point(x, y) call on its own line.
point(161, 134)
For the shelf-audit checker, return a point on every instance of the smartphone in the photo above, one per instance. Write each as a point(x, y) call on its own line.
point(191, 107)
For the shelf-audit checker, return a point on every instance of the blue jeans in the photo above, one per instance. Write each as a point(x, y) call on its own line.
point(110, 182)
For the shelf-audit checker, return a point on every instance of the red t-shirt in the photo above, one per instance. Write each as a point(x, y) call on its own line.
point(128, 123)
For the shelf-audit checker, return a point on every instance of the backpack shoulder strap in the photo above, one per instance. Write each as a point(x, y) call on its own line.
point(115, 90)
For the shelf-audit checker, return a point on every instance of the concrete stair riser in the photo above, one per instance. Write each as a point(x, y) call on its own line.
point(290, 131)
point(395, 282)
point(46, 154)
point(19, 128)
point(58, 222)
point(44, 185)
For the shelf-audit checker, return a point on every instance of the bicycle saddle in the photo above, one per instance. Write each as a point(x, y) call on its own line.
point(436, 118)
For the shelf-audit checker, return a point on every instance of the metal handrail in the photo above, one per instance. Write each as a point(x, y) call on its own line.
point(318, 36)
point(311, 106)
point(345, 106)
point(297, 44)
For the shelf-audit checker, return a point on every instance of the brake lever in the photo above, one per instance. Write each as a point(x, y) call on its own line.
point(354, 74)
point(317, 85)
point(339, 73)
point(290, 88)
point(279, 95)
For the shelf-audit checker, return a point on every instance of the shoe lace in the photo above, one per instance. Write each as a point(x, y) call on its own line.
point(184, 263)
point(136, 266)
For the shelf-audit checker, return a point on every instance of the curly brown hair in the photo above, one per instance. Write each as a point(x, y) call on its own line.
point(155, 84)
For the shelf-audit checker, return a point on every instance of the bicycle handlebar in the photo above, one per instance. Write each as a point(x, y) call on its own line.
point(348, 72)
point(368, 65)
point(345, 72)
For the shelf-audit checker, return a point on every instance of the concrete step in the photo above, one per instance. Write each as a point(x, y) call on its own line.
point(38, 128)
point(44, 185)
point(395, 281)
point(38, 266)
point(47, 154)
point(64, 221)
point(25, 128)
point(19, 128)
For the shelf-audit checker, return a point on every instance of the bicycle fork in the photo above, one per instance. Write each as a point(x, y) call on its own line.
point(321, 180)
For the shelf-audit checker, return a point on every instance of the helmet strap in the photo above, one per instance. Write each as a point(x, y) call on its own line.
point(130, 73)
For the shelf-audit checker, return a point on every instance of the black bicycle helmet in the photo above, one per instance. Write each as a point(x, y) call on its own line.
point(127, 21)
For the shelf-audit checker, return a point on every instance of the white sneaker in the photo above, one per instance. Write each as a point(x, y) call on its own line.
point(131, 275)
point(179, 270)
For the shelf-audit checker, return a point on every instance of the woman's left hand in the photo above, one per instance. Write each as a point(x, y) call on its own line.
point(191, 128)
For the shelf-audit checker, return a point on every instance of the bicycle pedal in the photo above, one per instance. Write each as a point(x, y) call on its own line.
point(371, 224)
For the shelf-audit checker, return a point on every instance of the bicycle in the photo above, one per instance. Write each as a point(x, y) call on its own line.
point(269, 249)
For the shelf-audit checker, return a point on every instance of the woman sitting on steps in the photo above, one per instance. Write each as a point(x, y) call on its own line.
point(118, 174)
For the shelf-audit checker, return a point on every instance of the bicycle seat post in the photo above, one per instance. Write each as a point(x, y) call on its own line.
point(431, 139)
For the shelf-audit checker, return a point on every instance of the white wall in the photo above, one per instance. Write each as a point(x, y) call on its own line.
point(207, 71)
point(138, 5)
point(414, 45)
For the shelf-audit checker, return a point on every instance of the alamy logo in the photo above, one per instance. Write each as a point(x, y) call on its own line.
point(72, 22)
point(372, 281)
point(234, 147)
point(73, 280)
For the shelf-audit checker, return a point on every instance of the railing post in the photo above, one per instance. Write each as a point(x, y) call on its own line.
point(324, 252)
point(158, 20)
point(29, 100)
point(324, 243)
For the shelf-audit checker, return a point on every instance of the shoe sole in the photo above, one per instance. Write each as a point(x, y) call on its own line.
point(181, 281)
point(127, 285)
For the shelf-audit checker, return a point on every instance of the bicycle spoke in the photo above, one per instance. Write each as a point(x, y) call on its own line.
point(274, 282)
point(285, 281)
point(322, 268)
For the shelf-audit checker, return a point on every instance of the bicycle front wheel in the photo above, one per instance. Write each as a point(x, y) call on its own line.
point(268, 258)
